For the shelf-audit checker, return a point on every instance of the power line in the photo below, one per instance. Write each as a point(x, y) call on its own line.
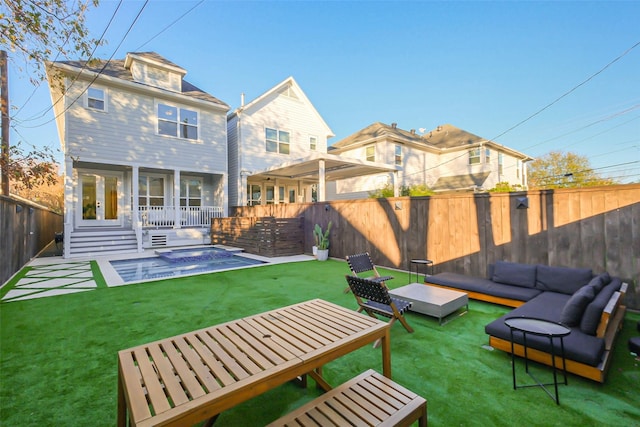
point(32, 118)
point(170, 25)
point(106, 64)
point(568, 92)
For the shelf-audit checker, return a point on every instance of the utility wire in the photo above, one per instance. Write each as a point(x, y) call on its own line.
point(170, 25)
point(106, 64)
point(568, 92)
point(84, 66)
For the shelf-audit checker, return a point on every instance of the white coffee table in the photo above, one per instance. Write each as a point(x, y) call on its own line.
point(432, 300)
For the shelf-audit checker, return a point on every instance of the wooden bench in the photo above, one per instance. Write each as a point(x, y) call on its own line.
point(369, 399)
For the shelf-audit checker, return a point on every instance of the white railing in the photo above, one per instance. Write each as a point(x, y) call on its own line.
point(188, 216)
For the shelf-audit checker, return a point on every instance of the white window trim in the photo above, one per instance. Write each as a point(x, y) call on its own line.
point(187, 196)
point(167, 189)
point(395, 150)
point(311, 137)
point(475, 153)
point(105, 99)
point(178, 107)
point(277, 140)
point(366, 156)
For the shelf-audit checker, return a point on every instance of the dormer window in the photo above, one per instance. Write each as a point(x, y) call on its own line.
point(96, 98)
point(178, 122)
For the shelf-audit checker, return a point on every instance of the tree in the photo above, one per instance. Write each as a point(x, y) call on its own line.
point(47, 191)
point(505, 187)
point(37, 30)
point(415, 190)
point(558, 169)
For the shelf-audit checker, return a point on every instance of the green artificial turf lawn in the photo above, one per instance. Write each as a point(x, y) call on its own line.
point(58, 354)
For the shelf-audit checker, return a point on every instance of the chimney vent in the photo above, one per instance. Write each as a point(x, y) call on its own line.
point(394, 125)
point(413, 131)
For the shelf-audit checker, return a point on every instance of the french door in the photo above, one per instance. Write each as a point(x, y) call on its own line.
point(100, 199)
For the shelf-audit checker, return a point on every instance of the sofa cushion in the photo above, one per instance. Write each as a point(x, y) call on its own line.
point(513, 273)
point(599, 282)
point(562, 279)
point(573, 309)
point(578, 346)
point(593, 312)
point(483, 286)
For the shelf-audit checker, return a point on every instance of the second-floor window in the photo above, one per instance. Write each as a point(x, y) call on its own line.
point(277, 141)
point(313, 143)
point(398, 155)
point(370, 153)
point(474, 156)
point(487, 155)
point(500, 160)
point(178, 122)
point(96, 98)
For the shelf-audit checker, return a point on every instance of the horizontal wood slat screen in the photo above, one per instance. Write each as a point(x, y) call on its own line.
point(260, 236)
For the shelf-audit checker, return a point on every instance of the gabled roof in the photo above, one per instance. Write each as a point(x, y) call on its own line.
point(443, 138)
point(119, 69)
point(287, 84)
point(375, 131)
point(449, 136)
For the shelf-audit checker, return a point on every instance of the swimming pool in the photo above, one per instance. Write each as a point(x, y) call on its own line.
point(180, 262)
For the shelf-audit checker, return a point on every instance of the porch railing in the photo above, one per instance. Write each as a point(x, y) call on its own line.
point(188, 216)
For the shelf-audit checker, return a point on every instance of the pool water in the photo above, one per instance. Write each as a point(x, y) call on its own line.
point(180, 262)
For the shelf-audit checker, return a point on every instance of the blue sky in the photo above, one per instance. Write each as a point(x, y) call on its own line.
point(481, 66)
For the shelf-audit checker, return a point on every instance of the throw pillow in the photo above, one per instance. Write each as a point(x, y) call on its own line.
point(512, 273)
point(573, 309)
point(562, 279)
point(599, 282)
point(591, 317)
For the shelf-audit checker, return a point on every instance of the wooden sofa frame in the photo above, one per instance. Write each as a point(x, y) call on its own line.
point(610, 324)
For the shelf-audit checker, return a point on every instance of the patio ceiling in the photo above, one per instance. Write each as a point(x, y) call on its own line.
point(335, 167)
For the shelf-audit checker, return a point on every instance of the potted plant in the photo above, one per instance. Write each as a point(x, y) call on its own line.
point(322, 241)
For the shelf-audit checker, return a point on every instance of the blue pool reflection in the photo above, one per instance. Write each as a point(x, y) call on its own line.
point(180, 262)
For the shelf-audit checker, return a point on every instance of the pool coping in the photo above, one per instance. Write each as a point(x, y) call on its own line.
point(113, 279)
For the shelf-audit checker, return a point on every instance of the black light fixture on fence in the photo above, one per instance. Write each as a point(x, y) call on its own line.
point(522, 203)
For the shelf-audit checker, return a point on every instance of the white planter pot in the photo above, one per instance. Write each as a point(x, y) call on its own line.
point(314, 249)
point(323, 254)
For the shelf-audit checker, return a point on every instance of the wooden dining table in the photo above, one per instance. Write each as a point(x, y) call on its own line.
point(195, 376)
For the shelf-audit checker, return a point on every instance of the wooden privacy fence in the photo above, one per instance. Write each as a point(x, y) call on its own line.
point(266, 236)
point(26, 229)
point(598, 228)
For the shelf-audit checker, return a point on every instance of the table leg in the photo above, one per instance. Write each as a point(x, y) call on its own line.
point(513, 362)
point(386, 353)
point(553, 366)
point(122, 404)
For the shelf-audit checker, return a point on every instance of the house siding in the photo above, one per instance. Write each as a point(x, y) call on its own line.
point(126, 134)
point(282, 113)
point(233, 163)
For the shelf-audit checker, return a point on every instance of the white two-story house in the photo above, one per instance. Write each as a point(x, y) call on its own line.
point(145, 154)
point(444, 159)
point(278, 150)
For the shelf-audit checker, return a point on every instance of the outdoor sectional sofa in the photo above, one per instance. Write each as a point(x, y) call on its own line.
point(591, 305)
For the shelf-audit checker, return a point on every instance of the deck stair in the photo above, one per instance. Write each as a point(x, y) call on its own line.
point(102, 242)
